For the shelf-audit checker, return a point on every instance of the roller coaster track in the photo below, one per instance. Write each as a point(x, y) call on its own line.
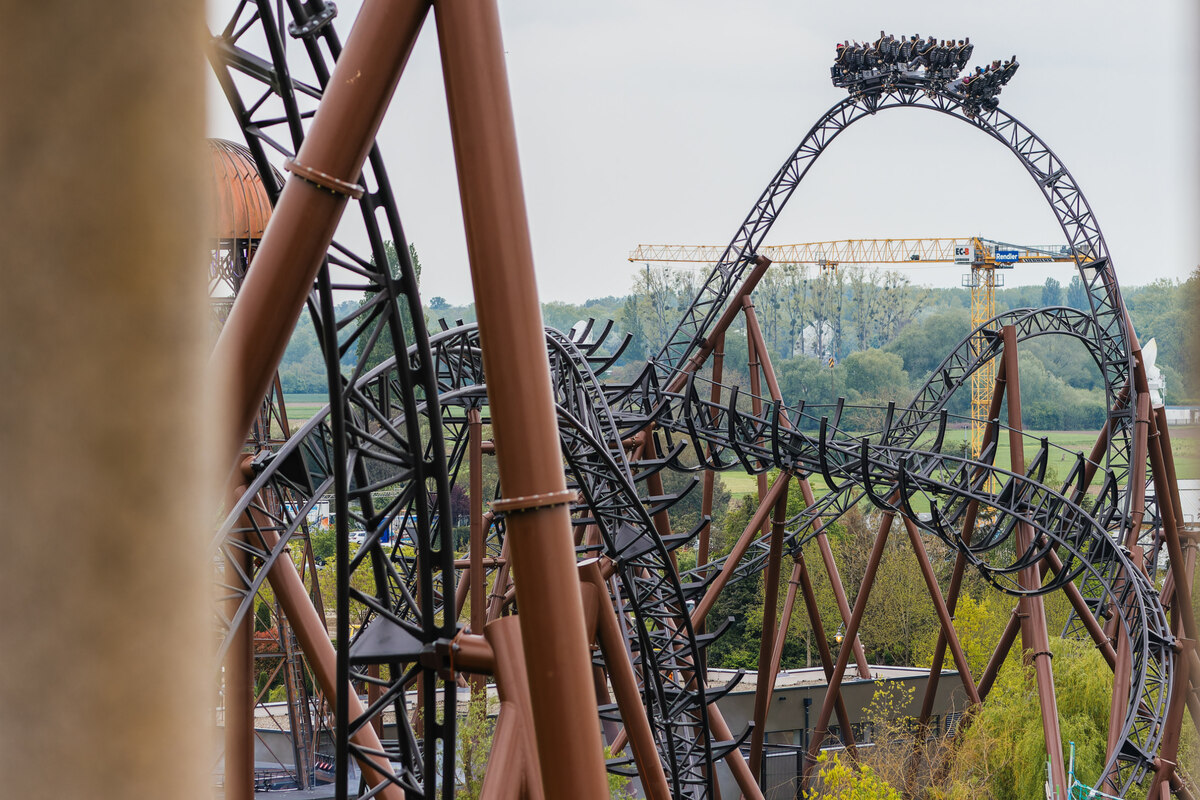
point(1062, 193)
point(387, 452)
point(1067, 519)
point(666, 646)
point(854, 465)
point(353, 452)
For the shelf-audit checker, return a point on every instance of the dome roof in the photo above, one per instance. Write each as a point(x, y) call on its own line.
point(242, 204)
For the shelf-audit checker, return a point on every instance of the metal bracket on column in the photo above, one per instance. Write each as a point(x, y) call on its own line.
point(323, 180)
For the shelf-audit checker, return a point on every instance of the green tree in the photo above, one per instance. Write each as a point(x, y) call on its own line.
point(631, 324)
point(1077, 294)
point(846, 781)
point(876, 375)
point(1052, 293)
point(924, 344)
point(384, 348)
point(1004, 742)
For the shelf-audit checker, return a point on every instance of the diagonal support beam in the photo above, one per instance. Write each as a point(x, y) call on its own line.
point(1034, 633)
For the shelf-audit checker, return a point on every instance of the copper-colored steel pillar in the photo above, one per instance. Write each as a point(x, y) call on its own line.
point(478, 585)
point(826, 655)
point(718, 331)
point(733, 759)
point(839, 591)
point(785, 619)
point(706, 502)
point(1169, 750)
point(943, 613)
point(1179, 571)
point(625, 686)
point(541, 551)
point(833, 690)
point(766, 647)
point(1160, 423)
point(1035, 636)
point(1181, 603)
point(739, 549)
point(960, 560)
point(753, 364)
point(512, 686)
point(754, 333)
point(662, 522)
point(1007, 638)
point(1122, 670)
point(1137, 469)
point(325, 174)
point(314, 641)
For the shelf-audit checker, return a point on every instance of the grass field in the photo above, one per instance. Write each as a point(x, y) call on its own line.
point(300, 408)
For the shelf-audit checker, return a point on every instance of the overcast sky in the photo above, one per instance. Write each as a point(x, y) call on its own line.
point(661, 122)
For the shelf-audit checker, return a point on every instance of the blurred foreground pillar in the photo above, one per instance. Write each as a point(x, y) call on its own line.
point(105, 664)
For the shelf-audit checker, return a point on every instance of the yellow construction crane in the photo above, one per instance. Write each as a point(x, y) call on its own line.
point(984, 256)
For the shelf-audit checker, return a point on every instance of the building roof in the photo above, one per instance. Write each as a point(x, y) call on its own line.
point(242, 203)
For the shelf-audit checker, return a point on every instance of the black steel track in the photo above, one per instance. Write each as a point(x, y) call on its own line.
point(359, 452)
point(389, 455)
point(725, 435)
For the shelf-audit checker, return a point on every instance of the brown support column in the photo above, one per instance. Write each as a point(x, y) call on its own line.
point(106, 463)
point(785, 619)
point(960, 560)
point(478, 584)
point(500, 584)
point(1000, 653)
point(733, 759)
point(1122, 668)
point(1168, 752)
point(739, 549)
point(1179, 570)
point(1137, 470)
point(709, 476)
point(718, 331)
point(754, 333)
point(1123, 665)
point(1168, 455)
point(625, 686)
point(292, 250)
point(1034, 634)
point(538, 521)
point(860, 605)
point(943, 613)
point(512, 686)
point(766, 646)
point(839, 592)
point(662, 522)
point(1181, 604)
point(826, 655)
point(506, 762)
point(314, 640)
point(752, 364)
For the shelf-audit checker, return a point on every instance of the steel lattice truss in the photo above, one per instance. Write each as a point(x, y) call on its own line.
point(1056, 183)
point(390, 446)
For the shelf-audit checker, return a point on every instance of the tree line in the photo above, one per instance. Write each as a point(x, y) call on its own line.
point(865, 334)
